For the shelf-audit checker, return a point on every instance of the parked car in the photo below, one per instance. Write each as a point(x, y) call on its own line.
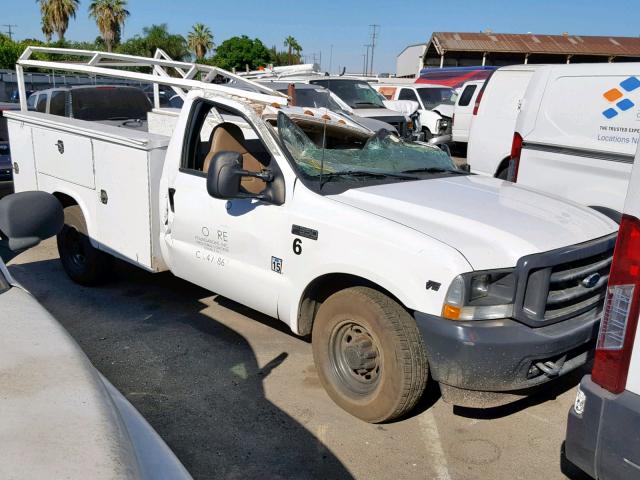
point(363, 99)
point(117, 105)
point(453, 77)
point(602, 430)
point(577, 132)
point(15, 95)
point(495, 113)
point(435, 105)
point(60, 417)
point(4, 134)
point(401, 266)
point(315, 96)
point(6, 167)
point(463, 110)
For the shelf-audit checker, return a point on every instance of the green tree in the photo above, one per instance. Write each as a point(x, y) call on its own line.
point(56, 14)
point(237, 52)
point(200, 40)
point(154, 37)
point(292, 46)
point(109, 16)
point(47, 29)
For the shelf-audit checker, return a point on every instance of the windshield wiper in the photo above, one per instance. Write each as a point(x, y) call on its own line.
point(364, 173)
point(369, 103)
point(435, 170)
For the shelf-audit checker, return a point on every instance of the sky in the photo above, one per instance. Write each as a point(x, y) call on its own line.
point(345, 24)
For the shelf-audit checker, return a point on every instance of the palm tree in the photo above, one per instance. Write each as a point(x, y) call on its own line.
point(200, 40)
point(109, 16)
point(56, 14)
point(292, 45)
point(47, 29)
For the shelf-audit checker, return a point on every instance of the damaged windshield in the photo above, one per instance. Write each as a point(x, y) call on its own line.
point(335, 152)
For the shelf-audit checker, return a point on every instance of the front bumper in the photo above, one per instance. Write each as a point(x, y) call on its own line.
point(604, 441)
point(500, 355)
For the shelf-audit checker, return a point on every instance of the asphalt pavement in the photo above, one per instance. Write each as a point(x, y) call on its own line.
point(236, 395)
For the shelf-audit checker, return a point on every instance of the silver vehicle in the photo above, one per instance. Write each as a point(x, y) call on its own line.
point(117, 105)
point(60, 417)
point(315, 96)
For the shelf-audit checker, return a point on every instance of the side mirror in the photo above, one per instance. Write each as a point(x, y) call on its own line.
point(225, 174)
point(27, 218)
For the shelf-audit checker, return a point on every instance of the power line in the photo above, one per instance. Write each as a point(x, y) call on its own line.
point(9, 29)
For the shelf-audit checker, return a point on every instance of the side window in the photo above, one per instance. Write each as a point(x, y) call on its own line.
point(408, 94)
point(41, 106)
point(215, 129)
point(467, 95)
point(31, 102)
point(57, 103)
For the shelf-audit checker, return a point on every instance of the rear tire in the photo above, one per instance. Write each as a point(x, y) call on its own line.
point(84, 263)
point(369, 354)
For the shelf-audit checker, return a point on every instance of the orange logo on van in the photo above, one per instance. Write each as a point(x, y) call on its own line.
point(615, 95)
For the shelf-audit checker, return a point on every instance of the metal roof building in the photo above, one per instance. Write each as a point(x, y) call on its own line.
point(452, 49)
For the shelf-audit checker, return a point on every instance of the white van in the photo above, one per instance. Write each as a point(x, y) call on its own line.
point(602, 430)
point(463, 110)
point(495, 110)
point(578, 130)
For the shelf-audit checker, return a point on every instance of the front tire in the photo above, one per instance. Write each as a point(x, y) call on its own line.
point(82, 262)
point(369, 354)
point(427, 134)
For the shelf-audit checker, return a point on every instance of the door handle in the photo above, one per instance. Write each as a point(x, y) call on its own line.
point(172, 192)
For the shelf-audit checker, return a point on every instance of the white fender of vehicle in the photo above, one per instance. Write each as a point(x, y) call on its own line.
point(410, 260)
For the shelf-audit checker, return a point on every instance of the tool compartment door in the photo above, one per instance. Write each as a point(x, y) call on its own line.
point(64, 155)
point(123, 210)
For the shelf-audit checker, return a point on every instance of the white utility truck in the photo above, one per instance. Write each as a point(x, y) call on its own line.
point(399, 265)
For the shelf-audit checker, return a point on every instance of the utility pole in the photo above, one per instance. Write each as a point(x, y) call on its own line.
point(9, 29)
point(366, 68)
point(364, 63)
point(330, 58)
point(374, 35)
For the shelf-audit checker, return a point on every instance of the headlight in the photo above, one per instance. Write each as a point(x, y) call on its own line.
point(481, 295)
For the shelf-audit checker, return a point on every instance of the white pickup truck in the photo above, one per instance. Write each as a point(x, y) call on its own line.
point(399, 265)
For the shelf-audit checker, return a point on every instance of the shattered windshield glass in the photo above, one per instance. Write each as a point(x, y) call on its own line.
point(380, 154)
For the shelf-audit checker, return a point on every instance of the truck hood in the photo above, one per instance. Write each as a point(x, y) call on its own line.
point(444, 110)
point(490, 222)
point(379, 113)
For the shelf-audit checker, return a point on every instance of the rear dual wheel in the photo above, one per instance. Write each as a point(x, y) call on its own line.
point(82, 262)
point(369, 354)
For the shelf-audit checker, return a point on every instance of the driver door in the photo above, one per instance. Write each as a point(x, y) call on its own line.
point(232, 247)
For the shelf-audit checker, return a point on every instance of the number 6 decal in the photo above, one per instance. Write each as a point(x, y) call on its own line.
point(297, 246)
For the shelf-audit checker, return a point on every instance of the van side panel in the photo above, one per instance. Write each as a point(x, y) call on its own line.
point(579, 142)
point(492, 129)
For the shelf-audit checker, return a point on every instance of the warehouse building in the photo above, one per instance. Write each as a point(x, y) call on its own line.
point(458, 49)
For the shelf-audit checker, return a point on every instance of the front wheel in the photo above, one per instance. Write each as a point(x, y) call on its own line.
point(84, 263)
point(369, 354)
point(427, 134)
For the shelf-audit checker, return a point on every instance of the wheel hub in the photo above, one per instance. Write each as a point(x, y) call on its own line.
point(356, 357)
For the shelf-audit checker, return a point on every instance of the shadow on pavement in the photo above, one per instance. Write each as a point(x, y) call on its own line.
point(541, 395)
point(195, 380)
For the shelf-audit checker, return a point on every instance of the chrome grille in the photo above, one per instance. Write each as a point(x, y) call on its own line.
point(564, 283)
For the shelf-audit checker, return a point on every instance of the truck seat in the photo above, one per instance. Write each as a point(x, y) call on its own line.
point(228, 137)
